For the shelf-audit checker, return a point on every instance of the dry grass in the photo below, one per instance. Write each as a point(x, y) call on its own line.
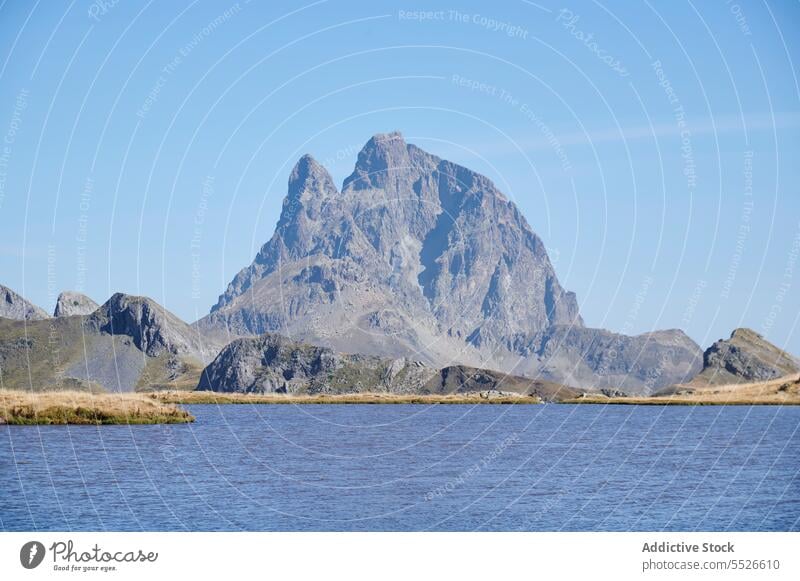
point(210, 397)
point(783, 391)
point(75, 407)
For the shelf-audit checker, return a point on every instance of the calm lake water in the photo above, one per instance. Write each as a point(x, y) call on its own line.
point(411, 467)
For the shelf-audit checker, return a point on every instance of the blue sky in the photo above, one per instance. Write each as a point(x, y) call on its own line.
point(653, 146)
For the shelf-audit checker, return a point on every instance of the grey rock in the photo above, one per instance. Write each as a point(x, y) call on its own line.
point(745, 357)
point(419, 257)
point(275, 364)
point(152, 328)
point(272, 363)
point(72, 303)
point(13, 306)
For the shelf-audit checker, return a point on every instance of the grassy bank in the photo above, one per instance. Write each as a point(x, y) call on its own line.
point(678, 401)
point(210, 397)
point(74, 407)
point(782, 391)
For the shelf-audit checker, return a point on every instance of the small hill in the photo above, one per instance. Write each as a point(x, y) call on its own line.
point(13, 306)
point(463, 379)
point(72, 303)
point(743, 358)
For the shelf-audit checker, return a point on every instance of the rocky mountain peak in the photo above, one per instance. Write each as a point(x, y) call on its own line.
point(14, 306)
point(384, 159)
point(310, 177)
point(415, 257)
point(153, 329)
point(71, 303)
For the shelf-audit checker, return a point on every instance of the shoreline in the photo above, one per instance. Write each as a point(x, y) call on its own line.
point(215, 398)
point(367, 398)
point(668, 401)
point(164, 407)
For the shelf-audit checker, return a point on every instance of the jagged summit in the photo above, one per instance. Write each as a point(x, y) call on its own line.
point(14, 306)
point(153, 329)
point(309, 179)
point(383, 158)
point(420, 257)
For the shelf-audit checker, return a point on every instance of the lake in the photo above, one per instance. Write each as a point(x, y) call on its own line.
point(411, 467)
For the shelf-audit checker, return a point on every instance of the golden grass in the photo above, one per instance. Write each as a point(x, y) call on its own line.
point(782, 391)
point(75, 407)
point(210, 397)
point(673, 400)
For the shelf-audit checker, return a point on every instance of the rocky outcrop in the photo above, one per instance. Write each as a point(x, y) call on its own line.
point(463, 379)
point(153, 329)
point(275, 364)
point(419, 257)
point(71, 303)
point(745, 357)
point(13, 306)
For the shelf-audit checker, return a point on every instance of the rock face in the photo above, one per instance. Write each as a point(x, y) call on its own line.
point(275, 364)
point(745, 357)
point(153, 329)
point(13, 306)
point(595, 357)
point(72, 303)
point(419, 257)
point(126, 344)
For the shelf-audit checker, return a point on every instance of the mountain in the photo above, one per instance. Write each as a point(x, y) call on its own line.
point(419, 257)
point(128, 343)
point(587, 357)
point(72, 303)
point(275, 364)
point(745, 357)
point(13, 306)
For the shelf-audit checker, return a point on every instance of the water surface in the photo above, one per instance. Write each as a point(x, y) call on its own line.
point(411, 467)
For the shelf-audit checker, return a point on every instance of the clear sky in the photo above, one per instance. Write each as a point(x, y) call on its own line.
point(653, 146)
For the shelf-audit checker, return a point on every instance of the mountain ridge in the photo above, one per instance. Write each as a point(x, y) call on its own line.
point(128, 343)
point(420, 257)
point(131, 343)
